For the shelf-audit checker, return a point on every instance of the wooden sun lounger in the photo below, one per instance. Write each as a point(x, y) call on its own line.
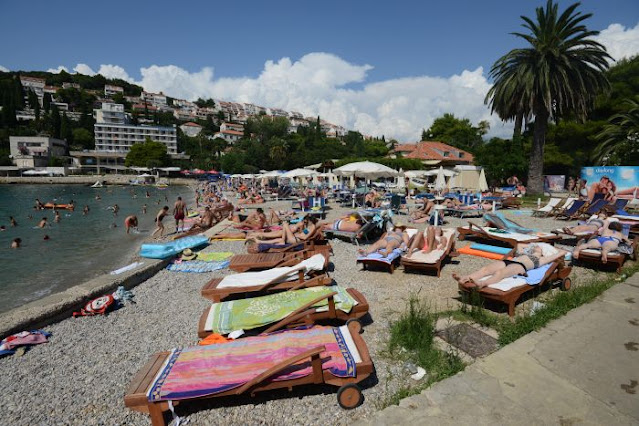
point(212, 292)
point(551, 206)
point(349, 395)
point(557, 273)
point(412, 265)
point(464, 213)
point(478, 232)
point(261, 261)
point(615, 259)
point(571, 211)
point(307, 315)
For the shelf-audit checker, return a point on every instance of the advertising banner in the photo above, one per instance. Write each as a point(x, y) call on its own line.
point(555, 183)
point(623, 181)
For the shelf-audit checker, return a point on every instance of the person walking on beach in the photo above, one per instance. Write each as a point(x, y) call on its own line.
point(179, 213)
point(43, 223)
point(130, 222)
point(12, 221)
point(158, 221)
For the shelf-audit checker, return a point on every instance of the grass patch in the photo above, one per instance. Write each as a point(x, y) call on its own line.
point(412, 339)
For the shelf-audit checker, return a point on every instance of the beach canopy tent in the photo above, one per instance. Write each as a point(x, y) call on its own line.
point(468, 178)
point(272, 174)
point(416, 173)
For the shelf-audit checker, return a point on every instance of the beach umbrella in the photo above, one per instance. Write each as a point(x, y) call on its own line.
point(272, 174)
point(440, 181)
point(365, 169)
point(212, 172)
point(483, 185)
point(417, 173)
point(299, 173)
point(198, 172)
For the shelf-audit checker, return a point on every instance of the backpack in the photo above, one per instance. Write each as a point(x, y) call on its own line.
point(99, 306)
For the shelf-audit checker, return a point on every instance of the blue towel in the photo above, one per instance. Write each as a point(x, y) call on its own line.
point(490, 249)
point(536, 275)
point(392, 256)
point(197, 266)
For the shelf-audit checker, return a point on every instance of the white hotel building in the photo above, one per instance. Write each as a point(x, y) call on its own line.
point(113, 133)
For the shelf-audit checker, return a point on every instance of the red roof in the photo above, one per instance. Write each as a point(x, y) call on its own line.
point(232, 132)
point(191, 124)
point(432, 150)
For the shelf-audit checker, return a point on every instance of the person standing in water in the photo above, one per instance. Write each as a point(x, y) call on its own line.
point(144, 207)
point(56, 219)
point(130, 222)
point(85, 210)
point(38, 204)
point(179, 213)
point(16, 243)
point(115, 209)
point(43, 223)
point(158, 221)
point(12, 221)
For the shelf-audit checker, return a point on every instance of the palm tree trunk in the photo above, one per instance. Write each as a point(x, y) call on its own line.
point(518, 123)
point(536, 167)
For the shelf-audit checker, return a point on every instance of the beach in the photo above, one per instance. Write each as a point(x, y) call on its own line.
point(81, 375)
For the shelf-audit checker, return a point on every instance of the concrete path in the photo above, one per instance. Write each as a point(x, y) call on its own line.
point(581, 369)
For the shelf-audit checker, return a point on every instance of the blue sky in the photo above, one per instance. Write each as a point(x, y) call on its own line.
point(233, 40)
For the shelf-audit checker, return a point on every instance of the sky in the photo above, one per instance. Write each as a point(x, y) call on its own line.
point(382, 68)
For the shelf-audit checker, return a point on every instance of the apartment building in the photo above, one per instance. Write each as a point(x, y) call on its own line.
point(110, 90)
point(114, 133)
point(231, 126)
point(35, 151)
point(156, 99)
point(231, 136)
point(33, 84)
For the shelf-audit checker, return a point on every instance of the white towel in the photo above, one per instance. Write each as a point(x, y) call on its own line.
point(281, 274)
point(508, 283)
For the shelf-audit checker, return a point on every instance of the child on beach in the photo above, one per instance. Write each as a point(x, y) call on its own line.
point(158, 221)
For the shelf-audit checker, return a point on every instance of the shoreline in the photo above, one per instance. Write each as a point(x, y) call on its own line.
point(85, 180)
point(58, 306)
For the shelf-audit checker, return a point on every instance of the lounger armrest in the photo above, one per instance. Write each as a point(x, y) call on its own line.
point(301, 312)
point(311, 353)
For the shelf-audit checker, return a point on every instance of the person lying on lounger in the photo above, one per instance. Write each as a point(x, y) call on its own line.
point(372, 199)
point(349, 223)
point(280, 216)
point(596, 224)
point(255, 220)
point(431, 239)
point(388, 242)
point(453, 203)
point(529, 256)
point(423, 212)
point(289, 234)
point(205, 222)
point(608, 241)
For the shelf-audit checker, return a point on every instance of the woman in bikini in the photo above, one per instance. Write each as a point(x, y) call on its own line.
point(608, 241)
point(529, 256)
point(422, 212)
point(388, 242)
point(592, 225)
point(348, 223)
point(431, 239)
point(289, 234)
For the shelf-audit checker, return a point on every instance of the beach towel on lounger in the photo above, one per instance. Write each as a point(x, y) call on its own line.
point(377, 256)
point(255, 312)
point(206, 370)
point(281, 274)
point(534, 277)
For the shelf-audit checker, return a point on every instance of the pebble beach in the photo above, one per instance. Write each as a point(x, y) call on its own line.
point(81, 375)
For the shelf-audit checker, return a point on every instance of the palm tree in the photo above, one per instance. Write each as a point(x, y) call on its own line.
point(561, 72)
point(621, 134)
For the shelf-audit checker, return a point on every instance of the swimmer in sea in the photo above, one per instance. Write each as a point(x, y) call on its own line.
point(56, 219)
point(46, 238)
point(3, 228)
point(43, 223)
point(115, 209)
point(85, 210)
point(144, 207)
point(16, 243)
point(131, 222)
point(12, 221)
point(98, 198)
point(158, 221)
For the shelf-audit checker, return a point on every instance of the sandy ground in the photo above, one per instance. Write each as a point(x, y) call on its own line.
point(81, 375)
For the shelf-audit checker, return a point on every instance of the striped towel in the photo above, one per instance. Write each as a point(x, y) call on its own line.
point(206, 370)
point(197, 266)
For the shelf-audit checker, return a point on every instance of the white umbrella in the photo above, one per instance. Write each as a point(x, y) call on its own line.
point(440, 182)
point(299, 173)
point(248, 176)
point(236, 175)
point(365, 169)
point(272, 174)
point(483, 185)
point(416, 173)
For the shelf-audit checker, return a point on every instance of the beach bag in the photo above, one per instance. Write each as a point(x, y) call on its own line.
point(624, 248)
point(99, 306)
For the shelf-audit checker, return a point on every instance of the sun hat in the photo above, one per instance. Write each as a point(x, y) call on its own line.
point(399, 225)
point(188, 254)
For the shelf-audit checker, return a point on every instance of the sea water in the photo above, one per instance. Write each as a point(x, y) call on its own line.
point(80, 247)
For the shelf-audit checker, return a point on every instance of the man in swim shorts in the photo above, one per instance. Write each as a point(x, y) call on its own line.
point(130, 222)
point(179, 213)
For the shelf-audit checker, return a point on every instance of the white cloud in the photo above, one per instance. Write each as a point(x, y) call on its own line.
point(318, 84)
point(3, 69)
point(621, 42)
point(83, 69)
point(58, 69)
point(114, 71)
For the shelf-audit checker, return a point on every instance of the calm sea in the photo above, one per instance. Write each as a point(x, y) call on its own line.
point(80, 247)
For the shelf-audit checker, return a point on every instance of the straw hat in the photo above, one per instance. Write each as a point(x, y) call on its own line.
point(188, 254)
point(399, 225)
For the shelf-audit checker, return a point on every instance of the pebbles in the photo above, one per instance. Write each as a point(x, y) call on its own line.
point(81, 375)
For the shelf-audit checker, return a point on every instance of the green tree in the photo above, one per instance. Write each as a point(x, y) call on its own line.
point(147, 154)
point(501, 158)
point(561, 73)
point(46, 102)
point(458, 132)
point(33, 99)
point(619, 140)
point(83, 139)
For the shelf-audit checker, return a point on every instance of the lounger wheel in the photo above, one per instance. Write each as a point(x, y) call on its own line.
point(565, 284)
point(349, 396)
point(358, 325)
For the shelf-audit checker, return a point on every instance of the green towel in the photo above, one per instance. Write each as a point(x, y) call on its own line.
point(247, 314)
point(214, 257)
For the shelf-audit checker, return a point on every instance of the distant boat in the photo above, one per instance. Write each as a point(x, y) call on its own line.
point(161, 185)
point(97, 184)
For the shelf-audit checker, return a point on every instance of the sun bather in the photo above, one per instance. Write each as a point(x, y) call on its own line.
point(431, 239)
point(423, 212)
point(595, 224)
point(349, 223)
point(255, 220)
point(205, 222)
point(290, 234)
point(529, 256)
point(388, 242)
point(608, 241)
point(372, 199)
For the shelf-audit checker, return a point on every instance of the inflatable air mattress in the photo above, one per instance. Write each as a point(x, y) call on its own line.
point(171, 248)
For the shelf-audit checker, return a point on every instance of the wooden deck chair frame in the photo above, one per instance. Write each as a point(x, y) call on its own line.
point(306, 314)
point(572, 211)
point(557, 273)
point(561, 207)
point(478, 232)
point(593, 208)
point(615, 259)
point(549, 207)
point(450, 252)
point(261, 261)
point(212, 292)
point(349, 395)
point(464, 213)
